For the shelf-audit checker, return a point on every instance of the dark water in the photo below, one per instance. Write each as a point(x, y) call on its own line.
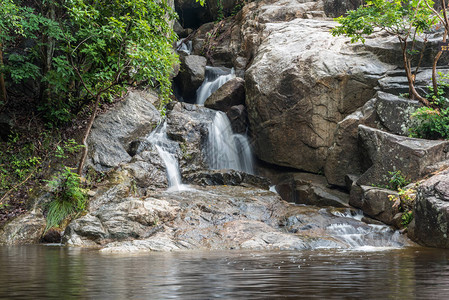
point(50, 272)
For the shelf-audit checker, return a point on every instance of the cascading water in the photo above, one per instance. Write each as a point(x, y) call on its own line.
point(215, 78)
point(184, 46)
point(366, 238)
point(227, 150)
point(165, 148)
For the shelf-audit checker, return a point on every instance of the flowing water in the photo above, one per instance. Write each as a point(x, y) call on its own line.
point(215, 78)
point(184, 46)
point(165, 148)
point(51, 272)
point(227, 150)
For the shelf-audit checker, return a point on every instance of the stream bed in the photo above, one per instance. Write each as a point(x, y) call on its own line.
point(54, 272)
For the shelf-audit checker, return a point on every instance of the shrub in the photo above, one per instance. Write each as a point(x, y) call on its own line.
point(69, 198)
point(430, 123)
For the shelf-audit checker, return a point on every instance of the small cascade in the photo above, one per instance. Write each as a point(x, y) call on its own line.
point(184, 46)
point(165, 148)
point(365, 238)
point(215, 78)
point(227, 150)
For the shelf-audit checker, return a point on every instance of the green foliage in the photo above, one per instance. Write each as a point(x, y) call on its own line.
point(122, 41)
point(397, 180)
point(69, 198)
point(430, 123)
point(395, 17)
point(407, 217)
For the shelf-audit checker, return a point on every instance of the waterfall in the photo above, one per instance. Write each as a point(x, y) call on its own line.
point(227, 150)
point(215, 78)
point(184, 46)
point(165, 149)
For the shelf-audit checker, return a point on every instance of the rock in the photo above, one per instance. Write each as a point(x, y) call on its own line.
point(431, 213)
point(386, 152)
point(227, 177)
point(239, 119)
point(299, 86)
point(344, 155)
point(52, 236)
point(337, 8)
point(191, 75)
point(375, 203)
point(25, 229)
point(394, 112)
point(229, 94)
point(310, 189)
point(113, 131)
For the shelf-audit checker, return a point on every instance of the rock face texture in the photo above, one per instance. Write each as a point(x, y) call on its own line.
point(431, 215)
point(191, 75)
point(301, 83)
point(232, 93)
point(25, 229)
point(113, 131)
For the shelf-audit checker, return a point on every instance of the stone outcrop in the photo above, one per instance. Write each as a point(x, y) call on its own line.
point(431, 213)
point(230, 94)
point(299, 86)
point(387, 152)
point(191, 75)
point(25, 229)
point(113, 131)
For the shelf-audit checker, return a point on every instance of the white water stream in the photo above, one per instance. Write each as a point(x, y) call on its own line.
point(227, 150)
point(215, 78)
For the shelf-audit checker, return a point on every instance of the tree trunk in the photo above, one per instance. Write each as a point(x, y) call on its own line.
point(86, 135)
point(410, 78)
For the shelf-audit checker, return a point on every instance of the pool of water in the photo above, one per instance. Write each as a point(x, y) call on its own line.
point(54, 272)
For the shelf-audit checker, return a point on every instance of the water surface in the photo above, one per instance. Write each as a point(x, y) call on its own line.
point(51, 272)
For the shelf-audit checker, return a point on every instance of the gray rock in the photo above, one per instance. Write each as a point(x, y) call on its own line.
point(344, 156)
point(375, 203)
point(431, 213)
point(336, 8)
point(415, 158)
point(227, 177)
point(394, 112)
point(25, 229)
point(310, 189)
point(299, 86)
point(191, 75)
point(239, 119)
point(113, 131)
point(229, 94)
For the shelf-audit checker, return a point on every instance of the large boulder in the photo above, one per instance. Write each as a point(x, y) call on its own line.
point(300, 85)
point(238, 117)
point(387, 152)
point(344, 156)
point(191, 75)
point(25, 229)
point(431, 213)
point(113, 131)
point(229, 94)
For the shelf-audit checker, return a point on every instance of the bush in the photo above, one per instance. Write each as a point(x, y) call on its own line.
point(429, 123)
point(69, 198)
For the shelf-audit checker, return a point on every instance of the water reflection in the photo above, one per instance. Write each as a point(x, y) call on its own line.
point(40, 272)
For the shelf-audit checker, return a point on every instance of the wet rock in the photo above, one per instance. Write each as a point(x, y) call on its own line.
point(375, 203)
point(239, 119)
point(431, 213)
point(229, 94)
point(344, 156)
point(191, 75)
point(114, 130)
point(227, 177)
point(25, 229)
point(310, 189)
point(415, 158)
